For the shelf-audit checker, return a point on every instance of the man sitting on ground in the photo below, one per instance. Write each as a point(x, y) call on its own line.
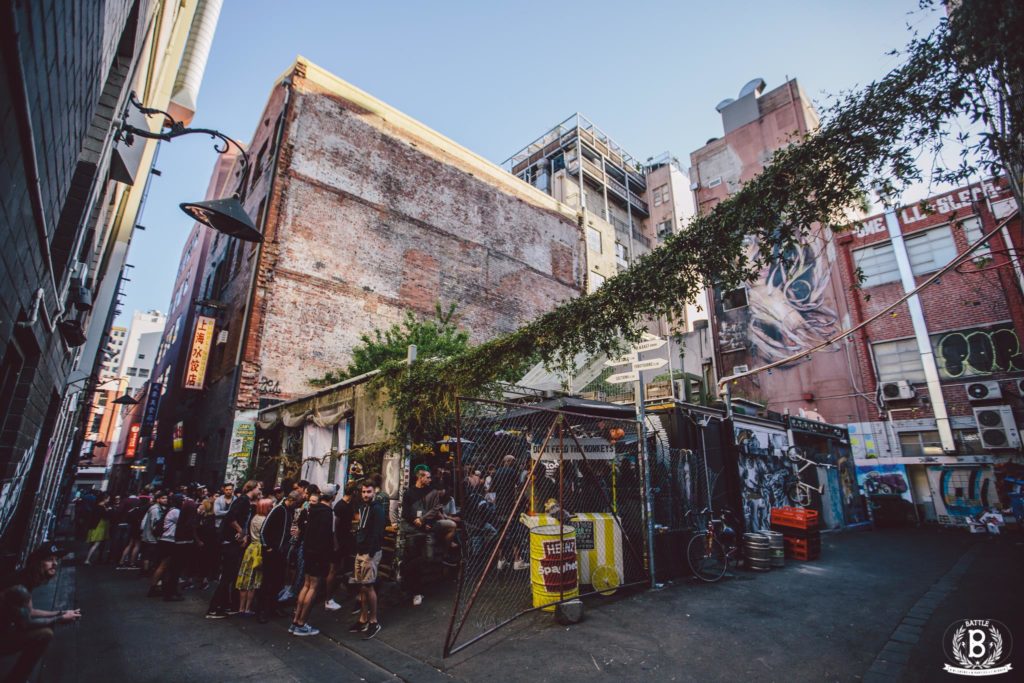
point(25, 630)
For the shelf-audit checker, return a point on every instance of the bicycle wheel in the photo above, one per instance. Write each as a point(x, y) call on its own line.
point(799, 494)
point(706, 557)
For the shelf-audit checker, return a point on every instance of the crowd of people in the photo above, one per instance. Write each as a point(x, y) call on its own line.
point(269, 555)
point(297, 544)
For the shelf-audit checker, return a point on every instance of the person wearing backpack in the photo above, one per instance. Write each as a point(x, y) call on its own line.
point(150, 533)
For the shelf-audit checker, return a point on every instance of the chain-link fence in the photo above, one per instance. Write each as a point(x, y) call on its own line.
point(552, 510)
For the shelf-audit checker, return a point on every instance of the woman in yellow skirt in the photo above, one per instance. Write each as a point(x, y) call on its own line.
point(100, 531)
point(250, 574)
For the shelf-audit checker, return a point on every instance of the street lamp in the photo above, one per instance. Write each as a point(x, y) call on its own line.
point(124, 400)
point(225, 215)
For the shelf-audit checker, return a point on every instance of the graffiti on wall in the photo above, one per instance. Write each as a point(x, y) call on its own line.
point(884, 479)
point(763, 473)
point(978, 352)
point(963, 492)
point(786, 310)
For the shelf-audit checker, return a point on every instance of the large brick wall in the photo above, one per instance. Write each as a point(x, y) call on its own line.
point(370, 223)
point(365, 218)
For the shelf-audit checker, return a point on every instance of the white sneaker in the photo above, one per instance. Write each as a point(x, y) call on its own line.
point(520, 565)
point(417, 600)
point(331, 605)
point(501, 564)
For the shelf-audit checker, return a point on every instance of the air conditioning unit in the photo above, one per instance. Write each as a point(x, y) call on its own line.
point(996, 427)
point(222, 337)
point(897, 391)
point(983, 391)
point(737, 369)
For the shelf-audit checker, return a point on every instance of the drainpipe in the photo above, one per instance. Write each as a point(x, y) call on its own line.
point(924, 344)
point(33, 316)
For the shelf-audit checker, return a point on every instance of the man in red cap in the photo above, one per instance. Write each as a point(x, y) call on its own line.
point(25, 630)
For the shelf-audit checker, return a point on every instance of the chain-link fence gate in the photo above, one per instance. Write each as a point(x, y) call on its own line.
point(553, 510)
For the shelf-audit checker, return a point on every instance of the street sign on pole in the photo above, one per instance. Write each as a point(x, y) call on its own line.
point(648, 345)
point(621, 360)
point(623, 377)
point(652, 364)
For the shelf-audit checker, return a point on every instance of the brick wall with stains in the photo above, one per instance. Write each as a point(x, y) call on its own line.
point(367, 216)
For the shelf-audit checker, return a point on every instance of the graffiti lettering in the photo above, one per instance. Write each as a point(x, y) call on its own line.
point(981, 351)
point(268, 386)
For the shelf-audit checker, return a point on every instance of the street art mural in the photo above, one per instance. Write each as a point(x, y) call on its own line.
point(978, 352)
point(884, 479)
point(786, 311)
point(963, 492)
point(763, 473)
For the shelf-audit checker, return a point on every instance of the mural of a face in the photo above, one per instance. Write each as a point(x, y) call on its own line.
point(787, 308)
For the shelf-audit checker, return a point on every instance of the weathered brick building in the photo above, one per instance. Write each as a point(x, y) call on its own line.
point(366, 213)
point(940, 379)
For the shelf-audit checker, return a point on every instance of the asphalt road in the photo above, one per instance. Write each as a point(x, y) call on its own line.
point(828, 620)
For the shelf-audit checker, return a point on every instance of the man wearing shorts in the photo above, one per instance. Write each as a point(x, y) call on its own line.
point(369, 539)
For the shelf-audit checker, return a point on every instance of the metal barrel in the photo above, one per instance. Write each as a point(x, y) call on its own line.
point(554, 566)
point(757, 550)
point(777, 549)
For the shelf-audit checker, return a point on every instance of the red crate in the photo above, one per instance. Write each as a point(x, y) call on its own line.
point(799, 518)
point(802, 548)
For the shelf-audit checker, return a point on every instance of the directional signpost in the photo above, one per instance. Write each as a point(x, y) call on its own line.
point(652, 364)
point(623, 377)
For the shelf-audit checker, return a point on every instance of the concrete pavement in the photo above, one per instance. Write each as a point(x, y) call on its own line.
point(834, 619)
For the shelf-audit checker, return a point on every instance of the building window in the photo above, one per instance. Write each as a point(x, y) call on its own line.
point(660, 195)
point(734, 298)
point(930, 250)
point(968, 441)
point(877, 264)
point(664, 228)
point(594, 240)
point(898, 360)
point(920, 444)
point(142, 356)
point(103, 400)
point(621, 256)
point(596, 280)
point(132, 372)
point(973, 233)
point(143, 372)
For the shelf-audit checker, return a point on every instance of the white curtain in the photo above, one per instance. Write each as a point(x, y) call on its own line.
point(316, 448)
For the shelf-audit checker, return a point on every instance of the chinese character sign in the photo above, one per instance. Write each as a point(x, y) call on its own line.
point(152, 406)
point(133, 442)
point(195, 367)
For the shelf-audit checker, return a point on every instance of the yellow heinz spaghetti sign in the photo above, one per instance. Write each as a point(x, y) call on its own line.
point(195, 371)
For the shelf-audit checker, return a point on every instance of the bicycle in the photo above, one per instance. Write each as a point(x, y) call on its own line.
point(796, 489)
point(708, 553)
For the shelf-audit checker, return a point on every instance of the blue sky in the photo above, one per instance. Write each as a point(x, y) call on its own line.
point(495, 75)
